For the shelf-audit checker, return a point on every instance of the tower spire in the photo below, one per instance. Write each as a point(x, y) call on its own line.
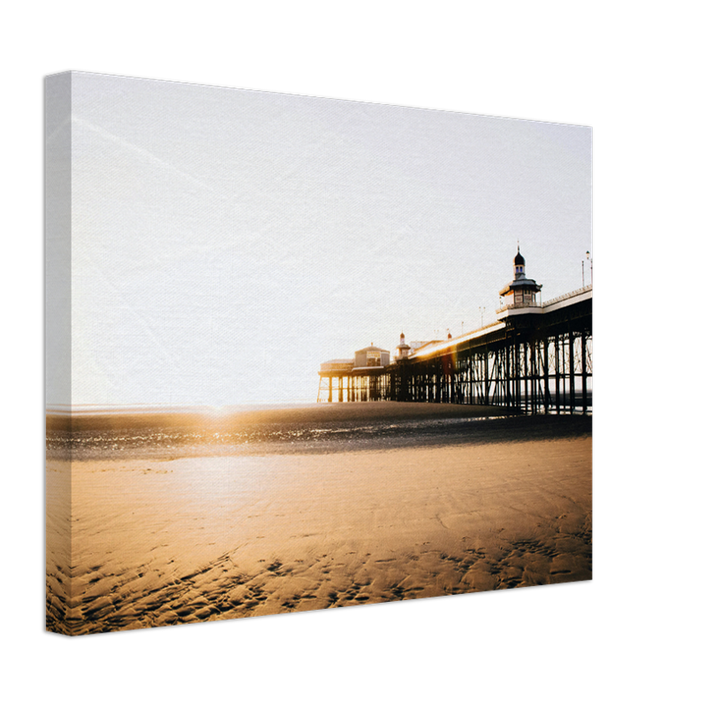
point(522, 290)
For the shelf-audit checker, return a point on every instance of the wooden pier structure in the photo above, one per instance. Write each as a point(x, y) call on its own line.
point(536, 358)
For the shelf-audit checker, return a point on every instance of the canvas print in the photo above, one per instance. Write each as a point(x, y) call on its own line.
point(306, 353)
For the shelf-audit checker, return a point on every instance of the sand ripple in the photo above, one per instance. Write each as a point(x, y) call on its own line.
point(161, 543)
point(224, 590)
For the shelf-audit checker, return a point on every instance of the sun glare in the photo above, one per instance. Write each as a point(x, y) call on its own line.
point(217, 410)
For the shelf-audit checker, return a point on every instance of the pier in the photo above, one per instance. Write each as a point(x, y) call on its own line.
point(536, 358)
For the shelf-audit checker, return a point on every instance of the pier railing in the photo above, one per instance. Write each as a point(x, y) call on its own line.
point(542, 305)
point(569, 295)
point(518, 305)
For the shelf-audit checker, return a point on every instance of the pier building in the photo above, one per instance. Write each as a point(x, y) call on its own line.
point(371, 357)
point(355, 378)
point(536, 358)
point(522, 290)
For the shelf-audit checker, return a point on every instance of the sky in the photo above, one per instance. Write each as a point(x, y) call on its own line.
point(225, 242)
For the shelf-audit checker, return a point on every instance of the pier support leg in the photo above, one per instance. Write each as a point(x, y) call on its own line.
point(572, 370)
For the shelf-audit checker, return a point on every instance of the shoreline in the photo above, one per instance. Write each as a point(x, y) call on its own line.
point(323, 428)
point(281, 413)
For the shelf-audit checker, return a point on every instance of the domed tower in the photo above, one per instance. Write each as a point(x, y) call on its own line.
point(403, 350)
point(520, 293)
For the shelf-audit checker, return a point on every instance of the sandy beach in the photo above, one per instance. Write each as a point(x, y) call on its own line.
point(175, 538)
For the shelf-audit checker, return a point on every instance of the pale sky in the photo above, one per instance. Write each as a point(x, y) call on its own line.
point(226, 242)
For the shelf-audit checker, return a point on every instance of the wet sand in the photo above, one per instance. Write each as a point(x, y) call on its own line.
point(160, 541)
point(309, 429)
